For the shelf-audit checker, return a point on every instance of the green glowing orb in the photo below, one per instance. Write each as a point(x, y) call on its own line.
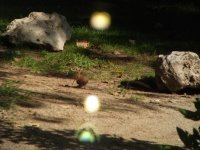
point(86, 137)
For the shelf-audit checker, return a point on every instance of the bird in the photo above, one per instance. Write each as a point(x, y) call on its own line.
point(81, 79)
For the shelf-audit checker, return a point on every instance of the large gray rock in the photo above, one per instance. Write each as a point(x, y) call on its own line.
point(178, 71)
point(39, 28)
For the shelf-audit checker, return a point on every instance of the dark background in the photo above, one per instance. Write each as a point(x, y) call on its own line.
point(124, 12)
point(172, 19)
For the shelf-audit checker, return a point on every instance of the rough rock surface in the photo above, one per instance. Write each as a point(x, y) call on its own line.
point(39, 28)
point(178, 71)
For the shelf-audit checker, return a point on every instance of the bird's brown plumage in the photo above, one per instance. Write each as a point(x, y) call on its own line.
point(81, 79)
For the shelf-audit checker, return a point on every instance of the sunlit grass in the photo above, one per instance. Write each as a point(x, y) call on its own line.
point(109, 41)
point(58, 62)
point(73, 57)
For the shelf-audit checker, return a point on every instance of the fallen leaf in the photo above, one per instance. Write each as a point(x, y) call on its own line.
point(16, 59)
point(82, 44)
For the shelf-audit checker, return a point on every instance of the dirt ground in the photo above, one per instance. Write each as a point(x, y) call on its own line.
point(56, 112)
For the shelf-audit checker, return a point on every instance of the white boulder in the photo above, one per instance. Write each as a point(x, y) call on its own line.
point(39, 28)
point(178, 71)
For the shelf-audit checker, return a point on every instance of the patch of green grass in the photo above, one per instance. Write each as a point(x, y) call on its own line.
point(70, 58)
point(154, 41)
point(108, 40)
point(29, 62)
point(73, 57)
point(137, 71)
point(10, 95)
point(127, 48)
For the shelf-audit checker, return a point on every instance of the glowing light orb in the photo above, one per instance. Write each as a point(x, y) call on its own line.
point(87, 136)
point(100, 20)
point(92, 104)
point(87, 133)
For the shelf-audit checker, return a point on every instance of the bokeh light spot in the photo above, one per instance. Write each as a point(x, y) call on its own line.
point(100, 20)
point(87, 133)
point(86, 136)
point(92, 104)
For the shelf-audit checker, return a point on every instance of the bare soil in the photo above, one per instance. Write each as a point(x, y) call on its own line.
point(131, 119)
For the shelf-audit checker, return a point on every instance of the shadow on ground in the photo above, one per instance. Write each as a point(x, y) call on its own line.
point(148, 84)
point(6, 55)
point(37, 99)
point(65, 139)
point(122, 106)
